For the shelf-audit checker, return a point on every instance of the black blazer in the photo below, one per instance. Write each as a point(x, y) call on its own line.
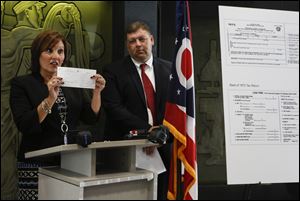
point(124, 100)
point(27, 92)
point(125, 105)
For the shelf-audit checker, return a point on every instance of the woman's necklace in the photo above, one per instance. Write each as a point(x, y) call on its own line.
point(62, 111)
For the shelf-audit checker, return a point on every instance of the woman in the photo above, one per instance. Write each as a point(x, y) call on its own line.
point(44, 111)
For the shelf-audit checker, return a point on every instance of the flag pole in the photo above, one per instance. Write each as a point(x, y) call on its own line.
point(179, 195)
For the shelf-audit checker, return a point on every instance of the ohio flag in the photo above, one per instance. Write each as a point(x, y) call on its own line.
point(180, 110)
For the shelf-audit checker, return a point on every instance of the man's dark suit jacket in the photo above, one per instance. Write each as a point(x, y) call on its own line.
point(124, 99)
point(125, 105)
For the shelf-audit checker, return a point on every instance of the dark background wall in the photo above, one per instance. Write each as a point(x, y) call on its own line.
point(125, 12)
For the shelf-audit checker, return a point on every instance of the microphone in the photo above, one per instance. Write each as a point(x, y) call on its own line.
point(157, 135)
point(84, 138)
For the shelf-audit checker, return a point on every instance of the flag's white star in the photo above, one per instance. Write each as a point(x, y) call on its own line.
point(185, 28)
point(171, 77)
point(178, 92)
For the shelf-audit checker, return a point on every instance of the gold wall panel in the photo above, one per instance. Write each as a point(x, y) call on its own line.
point(87, 26)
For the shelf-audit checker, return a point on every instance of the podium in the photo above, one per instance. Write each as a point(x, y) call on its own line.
point(103, 170)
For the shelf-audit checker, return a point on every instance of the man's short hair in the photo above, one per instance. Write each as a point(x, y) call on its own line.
point(134, 26)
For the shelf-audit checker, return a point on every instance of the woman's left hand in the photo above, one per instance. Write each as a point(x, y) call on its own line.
point(99, 82)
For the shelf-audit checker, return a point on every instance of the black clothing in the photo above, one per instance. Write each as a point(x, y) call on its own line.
point(27, 92)
point(124, 102)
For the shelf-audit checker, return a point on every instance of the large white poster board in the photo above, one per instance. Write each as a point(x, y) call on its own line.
point(260, 74)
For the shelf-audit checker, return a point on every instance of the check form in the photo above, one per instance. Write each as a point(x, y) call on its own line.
point(77, 77)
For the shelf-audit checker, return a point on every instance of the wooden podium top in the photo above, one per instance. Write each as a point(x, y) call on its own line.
point(94, 145)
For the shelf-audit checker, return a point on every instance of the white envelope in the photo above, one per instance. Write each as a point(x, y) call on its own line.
point(77, 77)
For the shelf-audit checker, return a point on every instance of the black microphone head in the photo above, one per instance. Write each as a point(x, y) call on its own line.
point(159, 135)
point(84, 138)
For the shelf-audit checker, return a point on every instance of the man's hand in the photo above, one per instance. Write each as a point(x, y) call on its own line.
point(153, 127)
point(149, 150)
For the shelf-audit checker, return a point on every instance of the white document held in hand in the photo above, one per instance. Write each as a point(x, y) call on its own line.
point(151, 162)
point(77, 77)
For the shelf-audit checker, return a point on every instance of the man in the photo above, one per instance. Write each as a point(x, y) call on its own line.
point(126, 98)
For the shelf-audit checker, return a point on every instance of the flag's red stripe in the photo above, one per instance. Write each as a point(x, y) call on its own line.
point(172, 190)
point(188, 157)
point(176, 117)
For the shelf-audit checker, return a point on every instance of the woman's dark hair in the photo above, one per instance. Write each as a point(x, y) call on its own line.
point(43, 41)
